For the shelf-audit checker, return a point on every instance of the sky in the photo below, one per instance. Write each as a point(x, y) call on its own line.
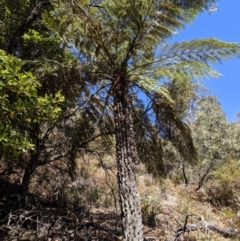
point(224, 25)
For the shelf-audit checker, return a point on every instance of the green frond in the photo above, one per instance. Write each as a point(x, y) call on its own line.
point(127, 38)
point(113, 30)
point(186, 70)
point(150, 84)
point(188, 60)
point(171, 126)
point(148, 142)
point(200, 50)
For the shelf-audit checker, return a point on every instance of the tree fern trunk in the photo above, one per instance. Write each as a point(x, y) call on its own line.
point(130, 203)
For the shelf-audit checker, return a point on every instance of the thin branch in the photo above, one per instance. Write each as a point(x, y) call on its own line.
point(203, 177)
point(32, 16)
point(72, 113)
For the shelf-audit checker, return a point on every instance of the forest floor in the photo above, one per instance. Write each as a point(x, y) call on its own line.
point(87, 209)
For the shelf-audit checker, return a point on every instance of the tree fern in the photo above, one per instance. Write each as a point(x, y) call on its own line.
point(124, 46)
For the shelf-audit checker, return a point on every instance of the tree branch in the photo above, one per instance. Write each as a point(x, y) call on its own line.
point(225, 232)
point(32, 16)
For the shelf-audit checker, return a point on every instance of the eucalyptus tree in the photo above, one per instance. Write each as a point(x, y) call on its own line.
point(216, 138)
point(123, 44)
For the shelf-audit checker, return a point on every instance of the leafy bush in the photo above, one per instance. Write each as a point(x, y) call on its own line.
point(224, 188)
point(21, 105)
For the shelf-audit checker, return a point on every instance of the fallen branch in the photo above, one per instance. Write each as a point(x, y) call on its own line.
point(226, 232)
point(203, 224)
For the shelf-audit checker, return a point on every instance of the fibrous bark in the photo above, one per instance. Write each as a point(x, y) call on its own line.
point(130, 203)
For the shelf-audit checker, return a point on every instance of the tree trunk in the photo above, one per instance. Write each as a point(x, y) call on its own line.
point(31, 160)
point(32, 16)
point(130, 203)
point(25, 185)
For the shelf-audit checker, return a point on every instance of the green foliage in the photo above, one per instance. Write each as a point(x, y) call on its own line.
point(21, 105)
point(44, 53)
point(47, 71)
point(11, 13)
point(150, 209)
point(93, 28)
point(224, 187)
point(113, 39)
point(210, 130)
point(215, 137)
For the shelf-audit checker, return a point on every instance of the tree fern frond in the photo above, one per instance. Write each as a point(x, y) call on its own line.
point(202, 50)
point(172, 127)
point(149, 83)
point(149, 143)
point(189, 59)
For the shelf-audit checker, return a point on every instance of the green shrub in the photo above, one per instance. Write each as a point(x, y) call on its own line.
point(224, 188)
point(150, 209)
